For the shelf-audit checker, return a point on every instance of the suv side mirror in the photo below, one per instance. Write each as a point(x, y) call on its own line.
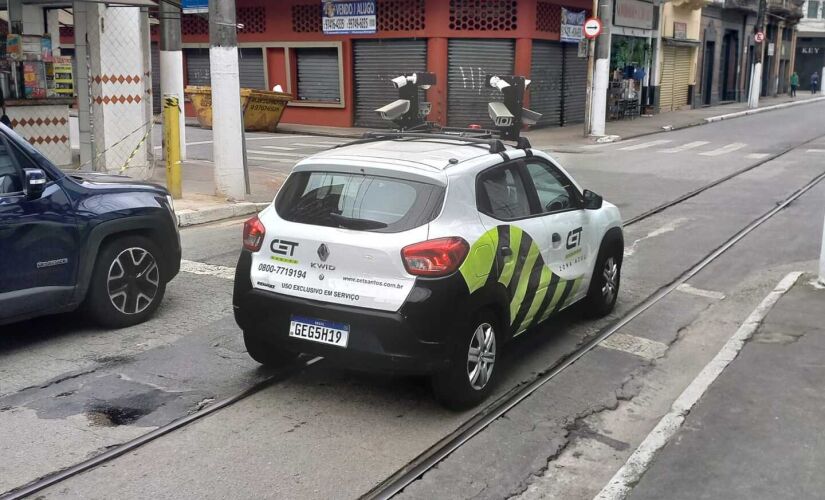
point(35, 183)
point(592, 201)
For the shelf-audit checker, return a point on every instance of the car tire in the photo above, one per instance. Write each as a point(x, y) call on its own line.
point(265, 353)
point(473, 369)
point(127, 283)
point(604, 286)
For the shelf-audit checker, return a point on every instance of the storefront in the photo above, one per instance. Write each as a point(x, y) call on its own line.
point(38, 89)
point(338, 79)
point(631, 58)
point(727, 53)
point(680, 25)
point(810, 58)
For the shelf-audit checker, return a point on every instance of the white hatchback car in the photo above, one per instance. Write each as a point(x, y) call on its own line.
point(422, 253)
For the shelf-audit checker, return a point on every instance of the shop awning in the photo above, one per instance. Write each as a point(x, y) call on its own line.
point(681, 42)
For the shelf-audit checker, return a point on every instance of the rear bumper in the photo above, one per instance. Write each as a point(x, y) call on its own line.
point(419, 339)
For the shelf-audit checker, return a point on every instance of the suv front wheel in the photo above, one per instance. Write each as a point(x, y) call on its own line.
point(127, 283)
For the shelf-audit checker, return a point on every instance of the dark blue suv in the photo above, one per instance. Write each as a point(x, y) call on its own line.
point(108, 244)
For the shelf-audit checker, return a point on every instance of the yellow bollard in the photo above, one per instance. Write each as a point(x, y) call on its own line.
point(171, 144)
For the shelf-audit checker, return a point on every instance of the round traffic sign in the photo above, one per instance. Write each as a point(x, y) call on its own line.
point(592, 28)
point(759, 37)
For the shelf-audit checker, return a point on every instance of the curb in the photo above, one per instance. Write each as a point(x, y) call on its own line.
point(747, 112)
point(212, 214)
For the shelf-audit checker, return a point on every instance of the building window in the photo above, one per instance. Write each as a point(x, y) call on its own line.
point(318, 74)
point(813, 9)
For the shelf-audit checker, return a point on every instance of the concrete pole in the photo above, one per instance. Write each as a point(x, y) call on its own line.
point(84, 116)
point(227, 135)
point(822, 258)
point(171, 63)
point(588, 100)
point(15, 12)
point(53, 29)
point(756, 71)
point(601, 72)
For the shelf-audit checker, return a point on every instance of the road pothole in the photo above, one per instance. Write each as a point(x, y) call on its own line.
point(113, 416)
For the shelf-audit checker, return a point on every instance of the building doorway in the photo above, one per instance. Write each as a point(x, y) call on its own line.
point(730, 61)
point(710, 53)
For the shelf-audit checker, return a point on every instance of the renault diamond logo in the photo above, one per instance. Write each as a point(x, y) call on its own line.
point(323, 252)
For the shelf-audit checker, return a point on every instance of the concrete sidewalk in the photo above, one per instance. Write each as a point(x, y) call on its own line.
point(199, 204)
point(758, 430)
point(625, 129)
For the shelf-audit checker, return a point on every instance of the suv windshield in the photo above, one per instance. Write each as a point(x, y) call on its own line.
point(357, 201)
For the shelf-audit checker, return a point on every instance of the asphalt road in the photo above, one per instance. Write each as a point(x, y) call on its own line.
point(69, 390)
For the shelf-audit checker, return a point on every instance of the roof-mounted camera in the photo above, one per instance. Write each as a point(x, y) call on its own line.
point(509, 116)
point(408, 111)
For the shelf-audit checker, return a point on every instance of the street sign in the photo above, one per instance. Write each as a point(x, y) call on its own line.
point(195, 6)
point(592, 28)
point(759, 37)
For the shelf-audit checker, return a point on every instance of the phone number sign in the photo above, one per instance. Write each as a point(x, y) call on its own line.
point(348, 17)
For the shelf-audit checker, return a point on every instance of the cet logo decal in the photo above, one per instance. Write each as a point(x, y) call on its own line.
point(283, 247)
point(323, 252)
point(574, 238)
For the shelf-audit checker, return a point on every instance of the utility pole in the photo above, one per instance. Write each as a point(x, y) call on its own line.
point(756, 71)
point(84, 103)
point(589, 95)
point(227, 125)
point(171, 62)
point(601, 72)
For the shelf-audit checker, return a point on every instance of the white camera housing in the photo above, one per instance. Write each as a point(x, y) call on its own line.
point(500, 115)
point(394, 110)
point(399, 81)
point(529, 117)
point(498, 83)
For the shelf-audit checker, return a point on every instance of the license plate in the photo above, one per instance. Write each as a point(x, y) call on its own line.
point(319, 330)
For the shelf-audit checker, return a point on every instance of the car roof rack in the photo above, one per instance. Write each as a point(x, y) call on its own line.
point(495, 144)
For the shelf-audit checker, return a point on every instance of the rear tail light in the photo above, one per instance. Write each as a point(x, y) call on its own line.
point(438, 257)
point(253, 234)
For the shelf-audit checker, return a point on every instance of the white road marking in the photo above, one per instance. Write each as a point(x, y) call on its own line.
point(815, 151)
point(270, 160)
point(631, 472)
point(685, 147)
point(308, 145)
point(638, 346)
point(280, 148)
point(275, 153)
point(669, 227)
point(645, 145)
point(605, 144)
point(710, 294)
point(267, 138)
point(190, 266)
point(725, 149)
point(757, 156)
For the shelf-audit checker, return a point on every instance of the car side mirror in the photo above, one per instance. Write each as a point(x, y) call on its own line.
point(35, 183)
point(592, 201)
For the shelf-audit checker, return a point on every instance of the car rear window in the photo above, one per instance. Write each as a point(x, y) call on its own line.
point(357, 201)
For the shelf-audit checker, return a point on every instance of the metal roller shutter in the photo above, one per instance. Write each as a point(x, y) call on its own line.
point(156, 97)
point(318, 75)
point(376, 62)
point(575, 85)
point(470, 60)
point(666, 82)
point(251, 68)
point(547, 81)
point(197, 66)
point(681, 77)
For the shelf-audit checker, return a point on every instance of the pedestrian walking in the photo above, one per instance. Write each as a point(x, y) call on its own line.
point(794, 83)
point(814, 82)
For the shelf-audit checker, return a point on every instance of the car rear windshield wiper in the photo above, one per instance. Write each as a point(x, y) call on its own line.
point(362, 224)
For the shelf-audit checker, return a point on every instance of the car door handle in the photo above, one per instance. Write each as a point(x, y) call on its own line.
point(556, 238)
point(506, 252)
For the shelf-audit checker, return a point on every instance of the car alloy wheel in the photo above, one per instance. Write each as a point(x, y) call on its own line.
point(133, 280)
point(610, 274)
point(481, 357)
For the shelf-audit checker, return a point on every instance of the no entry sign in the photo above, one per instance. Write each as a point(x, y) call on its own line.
point(759, 37)
point(592, 28)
